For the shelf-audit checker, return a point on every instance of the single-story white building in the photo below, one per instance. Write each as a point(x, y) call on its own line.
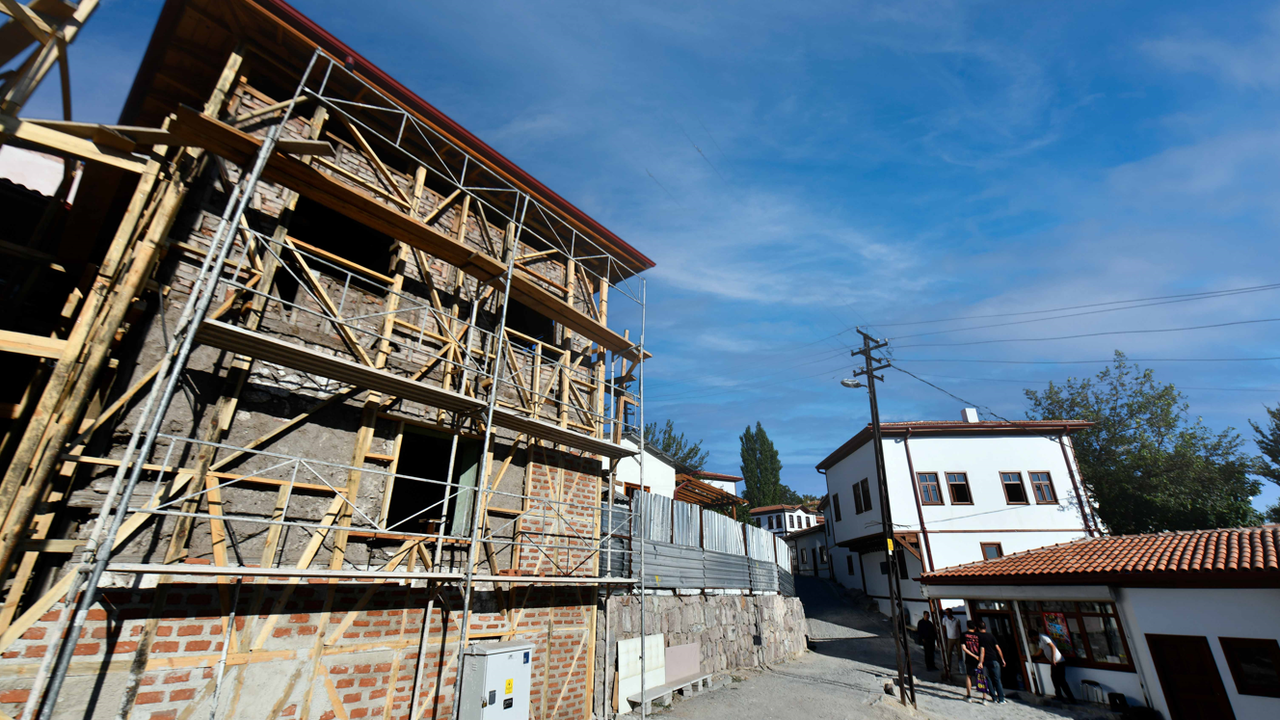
point(809, 551)
point(1187, 623)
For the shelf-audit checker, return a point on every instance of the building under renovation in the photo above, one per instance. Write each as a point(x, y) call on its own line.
point(308, 393)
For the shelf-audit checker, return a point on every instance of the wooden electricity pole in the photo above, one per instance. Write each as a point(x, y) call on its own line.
point(906, 683)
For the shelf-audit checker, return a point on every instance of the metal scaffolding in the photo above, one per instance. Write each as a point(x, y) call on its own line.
point(478, 377)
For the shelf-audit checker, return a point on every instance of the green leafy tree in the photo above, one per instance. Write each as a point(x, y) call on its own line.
point(761, 469)
point(675, 445)
point(1145, 464)
point(1268, 466)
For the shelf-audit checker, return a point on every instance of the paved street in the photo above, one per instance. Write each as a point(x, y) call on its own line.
point(844, 677)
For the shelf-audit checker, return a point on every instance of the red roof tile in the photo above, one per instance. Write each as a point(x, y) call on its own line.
point(1214, 556)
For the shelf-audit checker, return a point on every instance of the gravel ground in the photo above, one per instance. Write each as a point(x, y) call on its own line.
point(844, 677)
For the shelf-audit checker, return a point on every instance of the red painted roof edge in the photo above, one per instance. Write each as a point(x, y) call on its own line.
point(716, 476)
point(942, 426)
point(285, 12)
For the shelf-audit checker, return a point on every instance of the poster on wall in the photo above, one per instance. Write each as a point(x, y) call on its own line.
point(1056, 624)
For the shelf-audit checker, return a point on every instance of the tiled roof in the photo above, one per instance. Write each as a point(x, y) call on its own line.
point(1048, 428)
point(1209, 556)
point(774, 508)
point(805, 531)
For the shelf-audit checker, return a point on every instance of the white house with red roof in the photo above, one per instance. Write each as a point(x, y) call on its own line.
point(783, 519)
point(959, 492)
point(1182, 622)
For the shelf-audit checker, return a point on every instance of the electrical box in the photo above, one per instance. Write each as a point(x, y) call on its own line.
point(495, 681)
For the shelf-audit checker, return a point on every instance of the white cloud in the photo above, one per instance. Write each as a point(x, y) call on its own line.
point(1250, 64)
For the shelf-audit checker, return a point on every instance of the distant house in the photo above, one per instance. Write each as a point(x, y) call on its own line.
point(1181, 622)
point(659, 470)
point(809, 551)
point(727, 483)
point(959, 491)
point(783, 519)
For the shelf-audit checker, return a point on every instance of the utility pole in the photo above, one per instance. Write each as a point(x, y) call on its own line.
point(906, 683)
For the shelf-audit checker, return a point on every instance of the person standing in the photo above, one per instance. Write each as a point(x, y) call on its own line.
point(1057, 669)
point(992, 661)
point(952, 630)
point(928, 636)
point(971, 652)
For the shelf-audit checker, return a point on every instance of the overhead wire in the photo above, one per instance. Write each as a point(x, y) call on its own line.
point(1144, 331)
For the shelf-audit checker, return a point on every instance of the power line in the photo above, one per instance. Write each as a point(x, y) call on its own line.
point(1207, 293)
point(1084, 362)
point(1092, 312)
point(1097, 334)
point(1046, 382)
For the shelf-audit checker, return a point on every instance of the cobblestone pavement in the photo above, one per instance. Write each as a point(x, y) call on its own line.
point(845, 674)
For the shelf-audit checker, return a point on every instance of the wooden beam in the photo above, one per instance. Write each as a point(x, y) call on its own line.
point(33, 23)
point(157, 136)
point(62, 144)
point(36, 345)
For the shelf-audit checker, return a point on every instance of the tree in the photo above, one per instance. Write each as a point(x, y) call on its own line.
point(687, 453)
point(1268, 465)
point(761, 469)
point(1146, 466)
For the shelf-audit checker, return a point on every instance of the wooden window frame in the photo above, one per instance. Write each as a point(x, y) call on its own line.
point(983, 549)
point(937, 489)
point(1026, 499)
point(1031, 607)
point(858, 509)
point(1031, 475)
point(790, 524)
point(770, 523)
point(968, 488)
point(835, 505)
point(865, 487)
point(1230, 646)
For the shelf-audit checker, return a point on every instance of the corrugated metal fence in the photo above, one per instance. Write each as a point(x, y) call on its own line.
point(688, 547)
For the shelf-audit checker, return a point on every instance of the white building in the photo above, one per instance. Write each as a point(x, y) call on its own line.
point(809, 551)
point(1181, 622)
point(959, 492)
point(659, 470)
point(783, 519)
point(727, 483)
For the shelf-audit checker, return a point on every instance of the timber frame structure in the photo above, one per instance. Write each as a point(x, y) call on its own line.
point(332, 391)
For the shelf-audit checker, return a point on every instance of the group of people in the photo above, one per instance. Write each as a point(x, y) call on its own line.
point(983, 659)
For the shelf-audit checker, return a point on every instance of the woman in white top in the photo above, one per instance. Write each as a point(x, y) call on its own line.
point(1057, 669)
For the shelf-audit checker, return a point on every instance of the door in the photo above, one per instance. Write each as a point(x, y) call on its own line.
point(1189, 677)
point(1000, 625)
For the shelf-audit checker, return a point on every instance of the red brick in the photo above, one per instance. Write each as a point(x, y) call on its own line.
point(282, 632)
point(35, 633)
point(51, 616)
point(359, 712)
point(373, 633)
point(339, 669)
point(147, 698)
point(328, 714)
point(368, 682)
point(289, 710)
point(96, 614)
point(182, 694)
point(187, 630)
point(299, 619)
point(14, 696)
point(35, 651)
point(125, 646)
point(177, 677)
point(215, 629)
point(164, 631)
point(87, 649)
point(198, 646)
point(382, 667)
point(375, 694)
point(308, 630)
point(345, 683)
point(351, 635)
point(164, 646)
point(363, 668)
point(351, 698)
point(165, 715)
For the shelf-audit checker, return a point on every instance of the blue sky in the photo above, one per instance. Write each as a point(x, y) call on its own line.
point(799, 168)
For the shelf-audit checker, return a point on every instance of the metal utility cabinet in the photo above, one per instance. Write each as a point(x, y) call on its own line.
point(495, 681)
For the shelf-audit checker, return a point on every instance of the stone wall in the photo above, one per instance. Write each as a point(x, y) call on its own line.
point(735, 631)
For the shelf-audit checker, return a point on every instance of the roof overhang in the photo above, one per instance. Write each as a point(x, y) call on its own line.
point(1170, 579)
point(953, 429)
point(1087, 593)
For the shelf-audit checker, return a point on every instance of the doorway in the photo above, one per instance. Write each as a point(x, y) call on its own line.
point(1189, 677)
point(998, 615)
point(421, 502)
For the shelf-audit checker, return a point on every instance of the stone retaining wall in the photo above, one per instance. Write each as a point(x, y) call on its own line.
point(735, 631)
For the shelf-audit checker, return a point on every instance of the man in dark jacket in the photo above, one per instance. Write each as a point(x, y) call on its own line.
point(928, 635)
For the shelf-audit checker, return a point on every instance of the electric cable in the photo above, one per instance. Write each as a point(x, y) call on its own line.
point(1096, 334)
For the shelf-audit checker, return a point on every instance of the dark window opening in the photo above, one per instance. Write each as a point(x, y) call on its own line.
point(858, 509)
point(958, 483)
point(835, 505)
point(848, 561)
point(1255, 665)
point(530, 323)
point(804, 557)
point(864, 488)
point(333, 232)
point(1015, 493)
point(420, 500)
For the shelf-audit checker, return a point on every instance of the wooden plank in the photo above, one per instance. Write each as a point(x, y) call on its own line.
point(63, 144)
point(318, 292)
point(158, 136)
point(35, 345)
point(340, 261)
point(373, 158)
point(241, 148)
